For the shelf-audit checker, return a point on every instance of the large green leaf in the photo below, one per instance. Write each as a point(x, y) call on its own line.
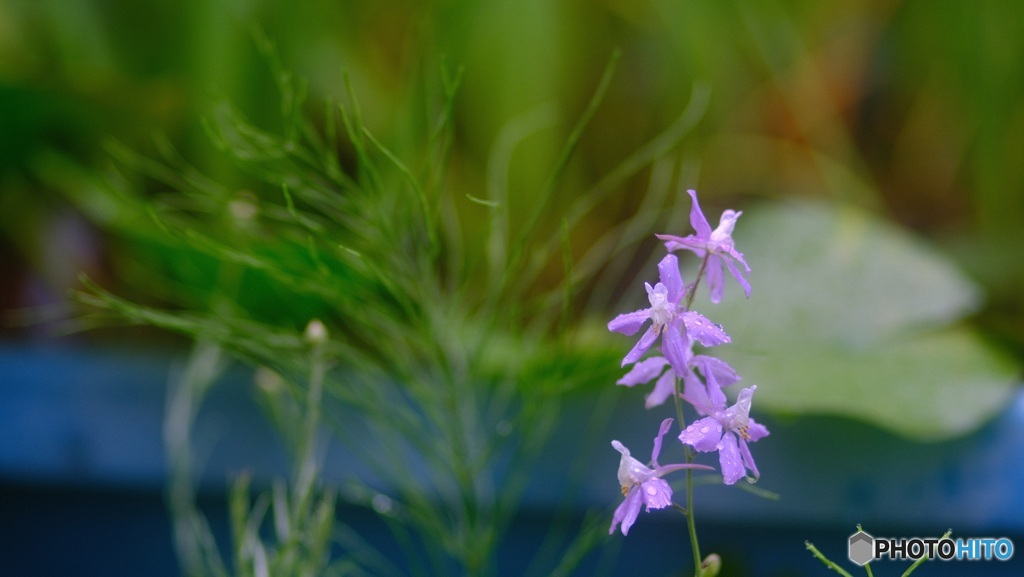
point(851, 316)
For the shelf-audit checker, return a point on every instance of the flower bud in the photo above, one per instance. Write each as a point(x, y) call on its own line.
point(711, 566)
point(316, 332)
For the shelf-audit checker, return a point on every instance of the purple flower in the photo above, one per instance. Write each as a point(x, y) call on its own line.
point(727, 430)
point(716, 244)
point(667, 318)
point(642, 485)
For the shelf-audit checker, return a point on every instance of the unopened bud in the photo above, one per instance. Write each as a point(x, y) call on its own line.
point(316, 332)
point(243, 207)
point(711, 566)
point(268, 380)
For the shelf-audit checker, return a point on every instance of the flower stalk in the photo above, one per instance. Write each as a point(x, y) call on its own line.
point(719, 426)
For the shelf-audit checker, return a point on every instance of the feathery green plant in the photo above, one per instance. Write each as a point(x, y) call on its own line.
point(445, 341)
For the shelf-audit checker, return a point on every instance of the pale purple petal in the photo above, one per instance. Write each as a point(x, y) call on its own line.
point(696, 394)
point(738, 256)
point(674, 240)
point(702, 330)
point(665, 426)
point(691, 243)
point(729, 459)
point(715, 393)
point(627, 511)
point(630, 470)
point(620, 448)
point(666, 469)
point(697, 220)
point(643, 372)
point(718, 369)
point(748, 460)
point(641, 346)
point(716, 280)
point(715, 396)
point(674, 345)
point(668, 270)
point(744, 400)
point(657, 494)
point(721, 237)
point(629, 323)
point(718, 374)
point(703, 435)
point(756, 431)
point(736, 274)
point(663, 389)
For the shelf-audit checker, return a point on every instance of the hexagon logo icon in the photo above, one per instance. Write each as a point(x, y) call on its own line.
point(862, 548)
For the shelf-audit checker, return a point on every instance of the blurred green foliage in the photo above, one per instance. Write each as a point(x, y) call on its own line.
point(912, 110)
point(447, 356)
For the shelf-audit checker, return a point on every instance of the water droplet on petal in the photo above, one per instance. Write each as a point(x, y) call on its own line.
point(651, 491)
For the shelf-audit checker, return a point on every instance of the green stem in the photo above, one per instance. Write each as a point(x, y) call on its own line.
point(828, 562)
point(308, 464)
point(921, 560)
point(691, 524)
point(700, 274)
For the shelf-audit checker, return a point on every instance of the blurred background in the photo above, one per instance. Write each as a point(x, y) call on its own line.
point(908, 113)
point(911, 109)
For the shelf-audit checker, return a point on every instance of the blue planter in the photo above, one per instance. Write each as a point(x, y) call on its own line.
point(82, 473)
